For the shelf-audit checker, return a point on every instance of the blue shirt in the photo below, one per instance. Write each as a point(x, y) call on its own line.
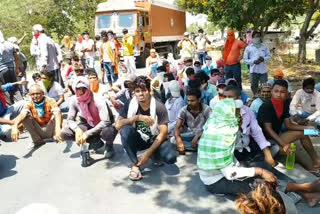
point(5, 87)
point(207, 70)
point(255, 105)
point(244, 97)
point(206, 97)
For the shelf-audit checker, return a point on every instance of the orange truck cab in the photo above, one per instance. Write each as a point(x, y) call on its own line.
point(157, 24)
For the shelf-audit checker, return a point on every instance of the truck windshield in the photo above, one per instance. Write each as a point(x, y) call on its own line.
point(126, 20)
point(104, 22)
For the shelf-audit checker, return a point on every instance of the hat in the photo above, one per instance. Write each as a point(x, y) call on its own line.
point(208, 57)
point(174, 88)
point(221, 82)
point(278, 72)
point(80, 82)
point(230, 80)
point(152, 50)
point(81, 85)
point(37, 27)
point(186, 34)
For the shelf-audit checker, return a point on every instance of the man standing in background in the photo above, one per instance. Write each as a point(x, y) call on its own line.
point(128, 54)
point(232, 56)
point(88, 50)
point(201, 42)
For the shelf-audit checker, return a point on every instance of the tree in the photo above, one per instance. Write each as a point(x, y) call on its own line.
point(240, 14)
point(312, 8)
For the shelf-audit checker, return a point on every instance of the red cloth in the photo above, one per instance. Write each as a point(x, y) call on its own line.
point(228, 45)
point(278, 106)
point(36, 35)
point(3, 98)
point(69, 71)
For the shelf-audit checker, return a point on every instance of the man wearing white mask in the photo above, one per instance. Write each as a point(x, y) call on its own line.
point(257, 55)
point(45, 52)
point(9, 68)
point(208, 66)
point(248, 148)
point(201, 42)
point(88, 50)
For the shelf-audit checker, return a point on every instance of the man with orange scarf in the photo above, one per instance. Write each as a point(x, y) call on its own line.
point(232, 55)
point(108, 55)
point(95, 130)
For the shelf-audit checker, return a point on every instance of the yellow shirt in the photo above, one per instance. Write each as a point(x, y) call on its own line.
point(127, 45)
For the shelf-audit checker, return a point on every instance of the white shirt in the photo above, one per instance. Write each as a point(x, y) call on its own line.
point(106, 57)
point(201, 43)
point(48, 53)
point(252, 53)
point(89, 45)
point(55, 91)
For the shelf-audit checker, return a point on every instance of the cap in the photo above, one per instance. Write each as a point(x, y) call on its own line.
point(174, 88)
point(152, 50)
point(81, 85)
point(230, 80)
point(186, 34)
point(221, 82)
point(278, 72)
point(208, 57)
point(37, 27)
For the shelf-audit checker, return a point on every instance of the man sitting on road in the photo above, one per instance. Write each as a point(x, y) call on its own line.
point(41, 117)
point(272, 114)
point(305, 103)
point(54, 90)
point(251, 135)
point(264, 94)
point(143, 124)
point(191, 120)
point(95, 127)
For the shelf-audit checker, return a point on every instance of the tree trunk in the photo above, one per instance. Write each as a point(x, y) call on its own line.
point(302, 54)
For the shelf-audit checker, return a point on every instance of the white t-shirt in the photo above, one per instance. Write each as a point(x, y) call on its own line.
point(88, 44)
point(55, 91)
point(201, 44)
point(106, 57)
point(98, 45)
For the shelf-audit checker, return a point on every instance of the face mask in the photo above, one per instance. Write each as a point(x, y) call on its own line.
point(208, 63)
point(46, 84)
point(238, 103)
point(197, 69)
point(86, 37)
point(220, 91)
point(110, 37)
point(256, 40)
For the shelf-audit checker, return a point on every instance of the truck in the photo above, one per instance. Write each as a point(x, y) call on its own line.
point(157, 24)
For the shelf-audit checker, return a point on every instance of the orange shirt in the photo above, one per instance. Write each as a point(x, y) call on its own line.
point(235, 52)
point(50, 105)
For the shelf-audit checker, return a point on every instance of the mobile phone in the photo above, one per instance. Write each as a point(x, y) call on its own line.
point(311, 132)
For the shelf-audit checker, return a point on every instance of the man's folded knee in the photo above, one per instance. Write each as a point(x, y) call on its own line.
point(170, 158)
point(126, 130)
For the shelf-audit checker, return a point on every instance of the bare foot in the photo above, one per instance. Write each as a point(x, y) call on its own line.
point(312, 199)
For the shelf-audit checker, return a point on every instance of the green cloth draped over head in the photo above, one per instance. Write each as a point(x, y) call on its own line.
point(217, 143)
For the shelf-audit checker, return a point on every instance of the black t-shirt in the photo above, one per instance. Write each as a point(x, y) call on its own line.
point(267, 114)
point(161, 113)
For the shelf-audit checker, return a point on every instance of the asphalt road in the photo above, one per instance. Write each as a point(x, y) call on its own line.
point(52, 175)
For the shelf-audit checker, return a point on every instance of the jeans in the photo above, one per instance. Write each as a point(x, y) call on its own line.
point(8, 75)
point(109, 70)
point(187, 140)
point(89, 62)
point(255, 78)
point(236, 187)
point(132, 143)
point(234, 71)
point(202, 57)
point(304, 115)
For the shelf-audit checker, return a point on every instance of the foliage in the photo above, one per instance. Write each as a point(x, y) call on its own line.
point(58, 17)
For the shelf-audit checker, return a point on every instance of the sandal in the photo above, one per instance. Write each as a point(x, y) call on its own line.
point(137, 174)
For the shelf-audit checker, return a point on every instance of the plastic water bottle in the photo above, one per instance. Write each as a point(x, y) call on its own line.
point(291, 157)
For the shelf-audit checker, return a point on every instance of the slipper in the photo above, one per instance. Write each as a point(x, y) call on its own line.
point(137, 174)
point(315, 172)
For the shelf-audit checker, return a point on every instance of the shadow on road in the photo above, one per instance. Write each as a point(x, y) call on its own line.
point(30, 153)
point(7, 163)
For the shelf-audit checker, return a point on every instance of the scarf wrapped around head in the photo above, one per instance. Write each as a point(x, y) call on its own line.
point(67, 42)
point(228, 45)
point(88, 108)
point(217, 143)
